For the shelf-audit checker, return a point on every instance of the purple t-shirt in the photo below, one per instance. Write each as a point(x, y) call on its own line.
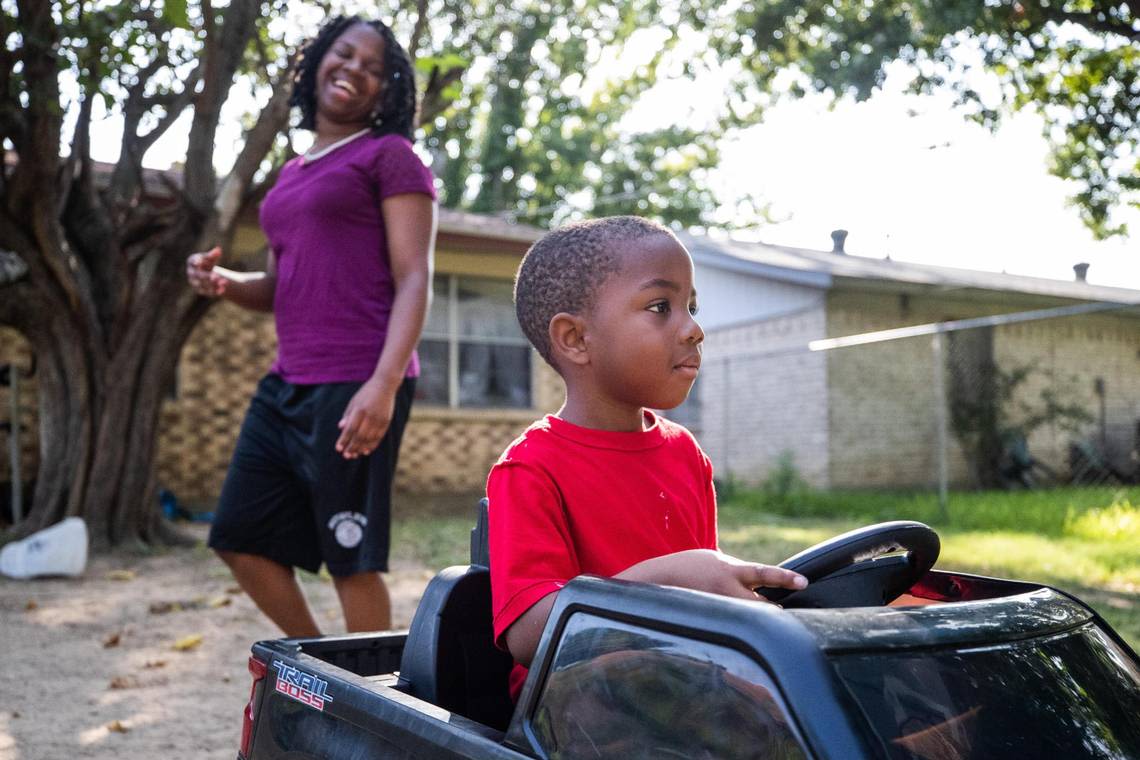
point(334, 280)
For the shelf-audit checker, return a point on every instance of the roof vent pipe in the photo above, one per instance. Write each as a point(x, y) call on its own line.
point(838, 238)
point(1082, 271)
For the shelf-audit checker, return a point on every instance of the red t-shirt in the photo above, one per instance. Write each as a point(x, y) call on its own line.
point(567, 500)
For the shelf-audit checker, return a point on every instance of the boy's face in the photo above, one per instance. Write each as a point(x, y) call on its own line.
point(644, 344)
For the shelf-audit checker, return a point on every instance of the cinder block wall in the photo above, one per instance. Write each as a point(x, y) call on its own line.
point(755, 408)
point(882, 415)
point(1072, 354)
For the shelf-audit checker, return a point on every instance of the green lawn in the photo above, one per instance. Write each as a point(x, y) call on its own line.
point(1086, 541)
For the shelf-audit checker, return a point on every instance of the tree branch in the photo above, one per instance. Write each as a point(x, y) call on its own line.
point(11, 115)
point(418, 29)
point(32, 196)
point(126, 180)
point(258, 142)
point(173, 103)
point(257, 193)
point(222, 56)
point(433, 103)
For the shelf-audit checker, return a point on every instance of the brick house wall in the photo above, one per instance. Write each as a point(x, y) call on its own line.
point(866, 416)
point(1075, 353)
point(446, 451)
point(882, 415)
point(754, 408)
point(15, 350)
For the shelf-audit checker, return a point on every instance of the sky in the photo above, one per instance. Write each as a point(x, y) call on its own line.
point(910, 177)
point(931, 188)
point(905, 175)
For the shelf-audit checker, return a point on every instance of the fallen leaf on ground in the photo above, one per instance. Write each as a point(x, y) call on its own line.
point(151, 664)
point(220, 601)
point(233, 590)
point(112, 640)
point(186, 643)
point(161, 608)
point(117, 726)
point(124, 682)
point(197, 603)
point(121, 575)
point(31, 605)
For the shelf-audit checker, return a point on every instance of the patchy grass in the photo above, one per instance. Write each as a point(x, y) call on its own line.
point(436, 541)
point(1086, 541)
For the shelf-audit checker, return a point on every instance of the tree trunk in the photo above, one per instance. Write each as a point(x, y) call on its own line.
point(103, 299)
point(99, 413)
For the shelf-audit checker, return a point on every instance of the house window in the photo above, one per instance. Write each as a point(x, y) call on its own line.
point(473, 352)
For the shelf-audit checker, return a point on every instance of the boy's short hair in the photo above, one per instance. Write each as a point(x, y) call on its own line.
point(563, 270)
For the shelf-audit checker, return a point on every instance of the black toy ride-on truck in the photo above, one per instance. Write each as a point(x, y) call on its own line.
point(880, 657)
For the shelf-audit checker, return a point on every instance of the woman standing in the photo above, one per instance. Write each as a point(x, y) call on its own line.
point(351, 229)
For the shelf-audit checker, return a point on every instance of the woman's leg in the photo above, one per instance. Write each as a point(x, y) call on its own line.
point(365, 601)
point(274, 589)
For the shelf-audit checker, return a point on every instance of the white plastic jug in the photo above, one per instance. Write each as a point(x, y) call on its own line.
point(57, 550)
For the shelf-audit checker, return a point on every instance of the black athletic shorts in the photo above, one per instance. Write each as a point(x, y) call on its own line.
point(290, 497)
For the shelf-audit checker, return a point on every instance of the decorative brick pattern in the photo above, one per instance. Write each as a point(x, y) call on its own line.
point(227, 353)
point(445, 451)
point(15, 350)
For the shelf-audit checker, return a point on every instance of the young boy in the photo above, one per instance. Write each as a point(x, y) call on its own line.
point(605, 486)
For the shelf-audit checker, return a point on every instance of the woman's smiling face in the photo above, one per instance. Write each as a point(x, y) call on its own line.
point(350, 76)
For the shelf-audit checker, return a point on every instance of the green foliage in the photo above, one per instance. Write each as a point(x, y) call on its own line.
point(175, 13)
point(993, 413)
point(1075, 62)
point(535, 131)
point(1008, 409)
point(784, 484)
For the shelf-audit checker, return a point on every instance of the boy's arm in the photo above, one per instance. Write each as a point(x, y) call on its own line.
point(698, 569)
point(532, 552)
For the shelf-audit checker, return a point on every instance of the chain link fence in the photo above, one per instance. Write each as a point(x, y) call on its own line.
point(1027, 400)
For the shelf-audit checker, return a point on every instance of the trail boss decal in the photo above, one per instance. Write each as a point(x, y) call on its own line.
point(303, 687)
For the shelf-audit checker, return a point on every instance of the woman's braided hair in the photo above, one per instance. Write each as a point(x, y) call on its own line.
point(396, 112)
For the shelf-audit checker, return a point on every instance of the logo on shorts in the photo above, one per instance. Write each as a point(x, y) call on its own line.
point(348, 527)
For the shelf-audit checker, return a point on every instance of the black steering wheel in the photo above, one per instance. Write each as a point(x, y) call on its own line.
point(866, 567)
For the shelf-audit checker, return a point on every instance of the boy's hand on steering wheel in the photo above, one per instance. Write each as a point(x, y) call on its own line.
point(714, 572)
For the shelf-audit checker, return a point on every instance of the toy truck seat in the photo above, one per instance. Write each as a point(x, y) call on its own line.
point(450, 658)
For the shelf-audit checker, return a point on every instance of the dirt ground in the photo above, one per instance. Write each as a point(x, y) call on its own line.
point(141, 657)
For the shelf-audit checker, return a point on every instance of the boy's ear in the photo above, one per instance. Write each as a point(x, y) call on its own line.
point(568, 338)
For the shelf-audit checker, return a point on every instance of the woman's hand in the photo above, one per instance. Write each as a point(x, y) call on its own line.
point(201, 275)
point(366, 420)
